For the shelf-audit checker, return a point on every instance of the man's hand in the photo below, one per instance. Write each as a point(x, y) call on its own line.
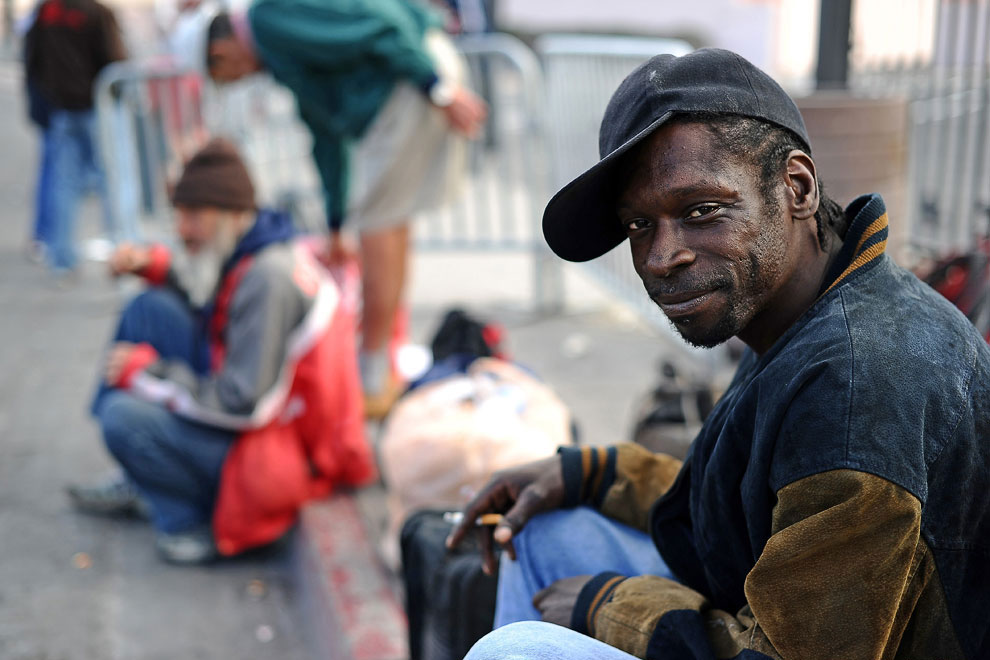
point(129, 259)
point(117, 358)
point(519, 493)
point(340, 249)
point(466, 112)
point(556, 602)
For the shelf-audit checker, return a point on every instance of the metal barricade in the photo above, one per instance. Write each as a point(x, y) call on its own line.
point(150, 121)
point(259, 115)
point(574, 114)
point(508, 183)
point(945, 76)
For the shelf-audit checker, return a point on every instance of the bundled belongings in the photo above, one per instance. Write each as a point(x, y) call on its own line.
point(444, 439)
point(469, 416)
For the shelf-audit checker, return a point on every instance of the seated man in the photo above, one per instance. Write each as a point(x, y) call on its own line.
point(834, 503)
point(226, 419)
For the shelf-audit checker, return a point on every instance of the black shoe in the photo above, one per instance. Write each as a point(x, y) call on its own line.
point(115, 496)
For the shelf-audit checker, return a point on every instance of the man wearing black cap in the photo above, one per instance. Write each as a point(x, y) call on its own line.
point(225, 418)
point(833, 505)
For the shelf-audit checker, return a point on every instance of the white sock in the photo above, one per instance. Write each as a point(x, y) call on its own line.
point(374, 366)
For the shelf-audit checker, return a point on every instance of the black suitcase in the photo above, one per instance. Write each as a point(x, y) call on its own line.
point(450, 602)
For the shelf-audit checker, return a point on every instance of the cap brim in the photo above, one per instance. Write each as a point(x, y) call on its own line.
point(579, 222)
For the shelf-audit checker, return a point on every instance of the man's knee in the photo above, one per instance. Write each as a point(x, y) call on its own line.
point(556, 528)
point(516, 641)
point(122, 417)
point(155, 304)
point(537, 640)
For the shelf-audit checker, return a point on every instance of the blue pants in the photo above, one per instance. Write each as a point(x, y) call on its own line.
point(537, 640)
point(43, 230)
point(175, 463)
point(547, 552)
point(70, 168)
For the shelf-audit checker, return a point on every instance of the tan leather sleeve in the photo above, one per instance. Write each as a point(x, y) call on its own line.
point(833, 576)
point(835, 580)
point(641, 477)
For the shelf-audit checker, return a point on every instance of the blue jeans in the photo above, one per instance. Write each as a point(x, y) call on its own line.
point(537, 640)
point(72, 166)
point(43, 230)
point(174, 462)
point(547, 552)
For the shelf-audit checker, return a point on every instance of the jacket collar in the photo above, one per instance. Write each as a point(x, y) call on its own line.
point(269, 227)
point(865, 240)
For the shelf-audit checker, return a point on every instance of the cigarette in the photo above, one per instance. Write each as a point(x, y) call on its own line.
point(456, 517)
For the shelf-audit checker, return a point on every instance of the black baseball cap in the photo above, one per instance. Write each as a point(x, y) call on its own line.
point(580, 222)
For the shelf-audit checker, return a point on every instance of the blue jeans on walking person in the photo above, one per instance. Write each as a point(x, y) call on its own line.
point(43, 231)
point(71, 169)
point(547, 552)
point(175, 463)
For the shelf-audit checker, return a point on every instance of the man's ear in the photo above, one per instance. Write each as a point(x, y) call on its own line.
point(801, 180)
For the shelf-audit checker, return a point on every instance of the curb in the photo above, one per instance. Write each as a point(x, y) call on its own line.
point(349, 611)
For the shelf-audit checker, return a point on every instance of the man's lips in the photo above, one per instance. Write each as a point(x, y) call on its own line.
point(683, 303)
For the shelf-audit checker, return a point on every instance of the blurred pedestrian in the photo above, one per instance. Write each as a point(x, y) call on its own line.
point(381, 89)
point(226, 421)
point(38, 111)
point(65, 49)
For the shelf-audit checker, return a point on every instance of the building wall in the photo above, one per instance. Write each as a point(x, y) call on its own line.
point(779, 36)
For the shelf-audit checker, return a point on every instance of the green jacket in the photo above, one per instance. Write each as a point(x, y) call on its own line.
point(341, 59)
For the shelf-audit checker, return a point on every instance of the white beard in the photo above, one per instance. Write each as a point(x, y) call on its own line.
point(199, 274)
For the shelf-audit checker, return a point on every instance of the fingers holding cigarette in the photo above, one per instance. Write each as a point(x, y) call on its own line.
point(485, 519)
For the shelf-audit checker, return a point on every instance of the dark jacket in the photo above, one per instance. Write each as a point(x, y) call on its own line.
point(834, 504)
point(67, 46)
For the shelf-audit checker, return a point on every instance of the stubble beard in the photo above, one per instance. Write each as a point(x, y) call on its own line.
point(744, 298)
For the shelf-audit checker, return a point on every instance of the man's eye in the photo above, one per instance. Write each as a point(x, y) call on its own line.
point(703, 210)
point(638, 223)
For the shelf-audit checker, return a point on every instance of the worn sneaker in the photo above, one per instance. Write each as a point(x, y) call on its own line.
point(114, 496)
point(191, 547)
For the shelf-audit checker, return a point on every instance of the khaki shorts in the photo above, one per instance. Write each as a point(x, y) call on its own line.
point(410, 160)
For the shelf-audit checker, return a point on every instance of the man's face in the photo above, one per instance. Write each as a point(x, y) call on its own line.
point(209, 236)
point(711, 252)
point(229, 60)
point(199, 227)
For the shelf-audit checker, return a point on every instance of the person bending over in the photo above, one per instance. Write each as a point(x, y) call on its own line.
point(382, 90)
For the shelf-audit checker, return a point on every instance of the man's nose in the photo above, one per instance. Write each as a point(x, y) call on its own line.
point(669, 252)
